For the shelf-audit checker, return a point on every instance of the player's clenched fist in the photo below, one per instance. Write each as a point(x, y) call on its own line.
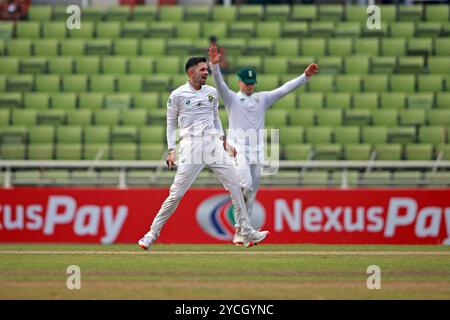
point(170, 159)
point(311, 70)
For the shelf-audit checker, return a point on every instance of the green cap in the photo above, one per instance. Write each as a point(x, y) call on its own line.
point(247, 75)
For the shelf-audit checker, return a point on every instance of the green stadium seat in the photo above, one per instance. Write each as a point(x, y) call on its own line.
point(68, 151)
point(323, 83)
point(119, 13)
point(288, 102)
point(365, 100)
point(171, 13)
point(222, 13)
point(276, 118)
point(354, 152)
point(316, 135)
point(374, 135)
point(412, 117)
point(250, 13)
point(2, 47)
point(147, 101)
point(134, 30)
point(403, 83)
point(393, 46)
point(28, 30)
point(9, 65)
point(291, 135)
point(22, 83)
point(443, 100)
point(144, 13)
point(153, 47)
point(41, 134)
point(46, 47)
point(97, 134)
point(297, 152)
point(311, 100)
point(419, 151)
point(314, 47)
point(442, 47)
point(289, 29)
point(304, 12)
point(10, 100)
point(14, 134)
point(375, 83)
point(277, 12)
point(87, 65)
point(420, 100)
point(304, 118)
point(151, 151)
point(260, 47)
point(356, 13)
point(357, 65)
point(168, 65)
point(179, 79)
point(330, 65)
point(439, 65)
point(114, 65)
point(197, 13)
point(54, 30)
point(63, 101)
point(430, 83)
point(162, 29)
point(158, 117)
point(13, 151)
point(47, 83)
point(439, 13)
point(118, 101)
point(19, 47)
point(41, 151)
point(216, 28)
point(51, 117)
point(73, 47)
point(269, 82)
point(86, 32)
point(188, 30)
point(5, 116)
point(141, 65)
point(297, 65)
point(388, 118)
point(348, 29)
point(338, 100)
point(286, 47)
point(94, 13)
point(332, 118)
point(124, 151)
point(134, 117)
point(420, 46)
point(438, 117)
point(428, 29)
point(32, 65)
point(271, 29)
point(443, 152)
point(410, 65)
point(254, 62)
point(79, 117)
point(109, 30)
point(402, 134)
point(346, 135)
point(124, 134)
point(393, 100)
point(402, 29)
point(179, 47)
point(157, 82)
point(241, 29)
point(348, 83)
point(331, 12)
point(432, 134)
point(96, 151)
point(152, 134)
point(410, 13)
point(130, 83)
point(275, 65)
point(388, 152)
point(69, 134)
point(36, 100)
point(327, 152)
point(40, 13)
point(367, 46)
point(98, 46)
point(126, 47)
point(103, 83)
point(6, 29)
point(383, 65)
point(91, 101)
point(359, 117)
point(60, 65)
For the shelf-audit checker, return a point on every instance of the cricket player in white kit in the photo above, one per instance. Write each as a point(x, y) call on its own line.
point(193, 107)
point(246, 113)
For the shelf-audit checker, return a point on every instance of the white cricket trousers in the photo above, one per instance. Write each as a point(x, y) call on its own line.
point(195, 154)
point(249, 176)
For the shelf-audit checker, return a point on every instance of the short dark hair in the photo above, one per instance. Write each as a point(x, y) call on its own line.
point(193, 62)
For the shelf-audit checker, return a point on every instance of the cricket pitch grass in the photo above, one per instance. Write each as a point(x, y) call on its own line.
point(39, 271)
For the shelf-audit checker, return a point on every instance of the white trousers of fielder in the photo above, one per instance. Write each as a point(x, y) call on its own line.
point(195, 154)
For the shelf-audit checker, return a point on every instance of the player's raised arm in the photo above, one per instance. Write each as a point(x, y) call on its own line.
point(172, 122)
point(225, 93)
point(272, 96)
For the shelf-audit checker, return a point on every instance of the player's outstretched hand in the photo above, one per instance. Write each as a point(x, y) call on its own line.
point(170, 160)
point(311, 70)
point(214, 55)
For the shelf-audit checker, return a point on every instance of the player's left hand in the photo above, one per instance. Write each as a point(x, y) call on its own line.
point(230, 149)
point(311, 70)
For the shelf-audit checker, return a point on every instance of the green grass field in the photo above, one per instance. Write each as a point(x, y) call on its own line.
point(224, 272)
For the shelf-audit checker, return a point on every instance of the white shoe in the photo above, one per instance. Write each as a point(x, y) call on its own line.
point(254, 237)
point(238, 239)
point(145, 242)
